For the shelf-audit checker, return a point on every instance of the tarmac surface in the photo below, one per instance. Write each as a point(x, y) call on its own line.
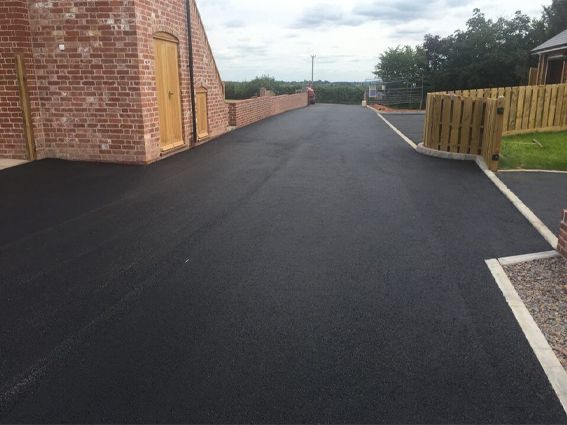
point(544, 193)
point(409, 123)
point(308, 268)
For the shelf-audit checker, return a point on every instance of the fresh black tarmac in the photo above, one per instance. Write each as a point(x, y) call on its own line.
point(544, 193)
point(308, 268)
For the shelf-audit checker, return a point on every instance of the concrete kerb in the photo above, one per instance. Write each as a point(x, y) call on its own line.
point(551, 365)
point(445, 155)
point(398, 132)
point(9, 163)
point(534, 171)
point(543, 230)
point(517, 259)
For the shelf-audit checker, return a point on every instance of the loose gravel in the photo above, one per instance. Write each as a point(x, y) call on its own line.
point(542, 285)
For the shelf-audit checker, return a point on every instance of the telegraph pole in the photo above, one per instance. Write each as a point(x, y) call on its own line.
point(312, 68)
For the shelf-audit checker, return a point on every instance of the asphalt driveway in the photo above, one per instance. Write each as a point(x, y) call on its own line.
point(544, 193)
point(309, 268)
point(409, 123)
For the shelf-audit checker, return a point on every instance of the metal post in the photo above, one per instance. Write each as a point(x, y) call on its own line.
point(191, 69)
point(312, 69)
point(421, 101)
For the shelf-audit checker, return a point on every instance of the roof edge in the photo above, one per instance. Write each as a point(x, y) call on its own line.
point(549, 49)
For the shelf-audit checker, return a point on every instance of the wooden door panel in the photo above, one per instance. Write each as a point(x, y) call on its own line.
point(161, 90)
point(202, 115)
point(168, 93)
point(174, 97)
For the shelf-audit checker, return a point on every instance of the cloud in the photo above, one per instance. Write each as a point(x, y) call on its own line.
point(239, 51)
point(367, 11)
point(326, 14)
point(395, 10)
point(404, 32)
point(254, 37)
point(235, 23)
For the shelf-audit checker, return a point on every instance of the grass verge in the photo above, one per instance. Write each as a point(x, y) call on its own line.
point(521, 152)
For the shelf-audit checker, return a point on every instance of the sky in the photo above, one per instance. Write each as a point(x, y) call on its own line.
point(277, 37)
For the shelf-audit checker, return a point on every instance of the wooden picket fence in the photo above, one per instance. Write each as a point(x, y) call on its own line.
point(528, 108)
point(464, 125)
point(473, 121)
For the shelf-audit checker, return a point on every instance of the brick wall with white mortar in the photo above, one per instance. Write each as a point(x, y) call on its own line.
point(244, 112)
point(90, 72)
point(15, 37)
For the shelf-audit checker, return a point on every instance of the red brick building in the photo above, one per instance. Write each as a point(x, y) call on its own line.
point(105, 80)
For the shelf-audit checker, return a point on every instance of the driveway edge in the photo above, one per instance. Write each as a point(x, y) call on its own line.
point(398, 132)
point(551, 365)
point(534, 220)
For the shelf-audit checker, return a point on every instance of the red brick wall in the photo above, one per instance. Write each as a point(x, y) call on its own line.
point(562, 246)
point(244, 112)
point(169, 16)
point(95, 98)
point(15, 38)
point(88, 91)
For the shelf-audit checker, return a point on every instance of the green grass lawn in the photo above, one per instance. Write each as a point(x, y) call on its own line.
point(520, 152)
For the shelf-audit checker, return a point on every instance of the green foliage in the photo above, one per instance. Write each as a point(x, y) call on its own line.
point(238, 90)
point(405, 64)
point(487, 53)
point(326, 92)
point(555, 17)
point(520, 152)
point(344, 93)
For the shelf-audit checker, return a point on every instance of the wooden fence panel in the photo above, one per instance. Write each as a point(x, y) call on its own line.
point(473, 121)
point(477, 126)
point(446, 122)
point(528, 108)
point(464, 125)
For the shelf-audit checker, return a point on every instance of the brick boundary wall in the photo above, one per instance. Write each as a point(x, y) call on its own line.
point(562, 246)
point(245, 112)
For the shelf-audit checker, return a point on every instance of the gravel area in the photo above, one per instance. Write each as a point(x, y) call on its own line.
point(542, 285)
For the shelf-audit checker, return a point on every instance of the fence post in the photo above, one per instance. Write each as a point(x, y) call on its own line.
point(496, 136)
point(25, 105)
point(427, 123)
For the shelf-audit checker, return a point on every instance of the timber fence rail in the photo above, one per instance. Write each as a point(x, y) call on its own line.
point(528, 108)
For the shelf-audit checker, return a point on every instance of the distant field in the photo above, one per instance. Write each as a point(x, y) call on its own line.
point(521, 152)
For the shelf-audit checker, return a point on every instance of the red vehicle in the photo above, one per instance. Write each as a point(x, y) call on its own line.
point(311, 95)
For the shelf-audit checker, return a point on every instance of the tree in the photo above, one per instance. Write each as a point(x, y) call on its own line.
point(401, 64)
point(555, 17)
point(487, 53)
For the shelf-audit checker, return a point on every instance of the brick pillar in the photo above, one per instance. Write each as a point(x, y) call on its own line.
point(562, 246)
